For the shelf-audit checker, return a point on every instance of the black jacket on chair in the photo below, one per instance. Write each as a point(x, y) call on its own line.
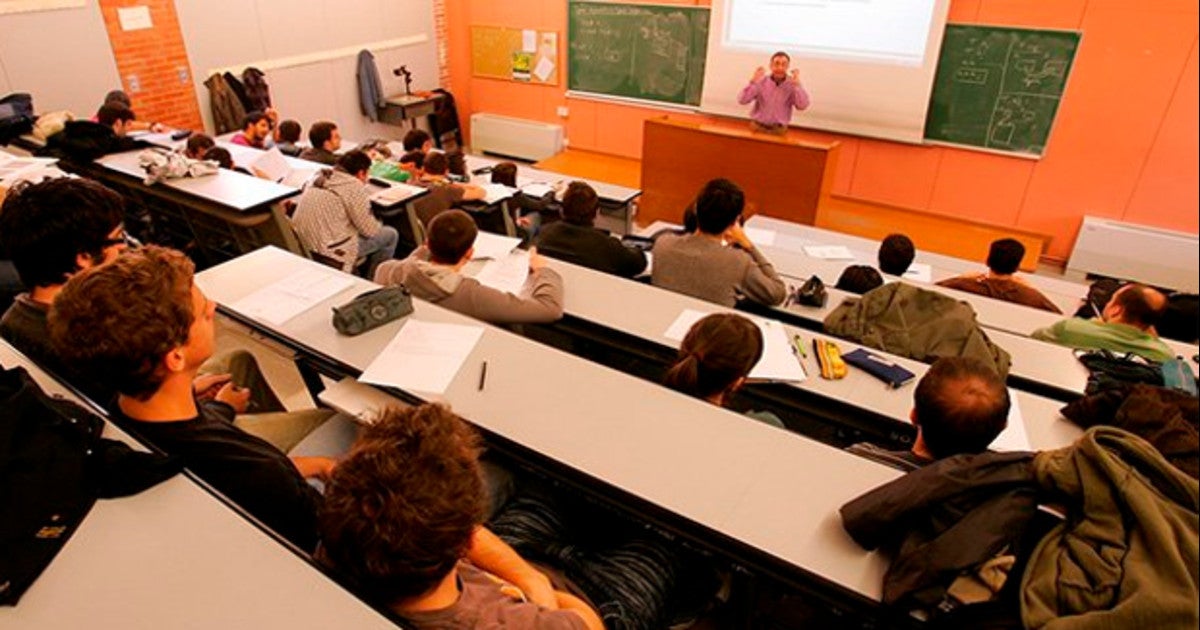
point(53, 467)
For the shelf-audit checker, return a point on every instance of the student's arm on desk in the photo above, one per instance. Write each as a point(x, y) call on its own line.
point(471, 192)
point(544, 304)
point(493, 555)
point(566, 601)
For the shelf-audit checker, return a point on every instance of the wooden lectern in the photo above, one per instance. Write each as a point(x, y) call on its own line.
point(783, 177)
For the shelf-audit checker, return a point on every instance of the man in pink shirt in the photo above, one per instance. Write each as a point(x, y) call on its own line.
point(256, 127)
point(774, 95)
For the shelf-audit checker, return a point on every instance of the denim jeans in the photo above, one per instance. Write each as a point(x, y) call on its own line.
point(379, 248)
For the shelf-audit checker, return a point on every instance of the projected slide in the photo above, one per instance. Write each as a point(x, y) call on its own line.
point(894, 31)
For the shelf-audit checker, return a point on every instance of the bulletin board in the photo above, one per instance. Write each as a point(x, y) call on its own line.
point(514, 54)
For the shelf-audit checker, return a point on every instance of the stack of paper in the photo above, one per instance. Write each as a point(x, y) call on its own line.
point(507, 273)
point(294, 294)
point(15, 168)
point(423, 357)
point(495, 246)
point(1013, 437)
point(537, 189)
point(495, 193)
point(396, 193)
point(761, 238)
point(778, 362)
point(829, 252)
point(272, 165)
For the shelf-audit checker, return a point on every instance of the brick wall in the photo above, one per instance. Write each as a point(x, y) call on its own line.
point(157, 57)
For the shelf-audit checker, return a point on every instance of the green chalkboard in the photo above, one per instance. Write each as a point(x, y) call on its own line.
point(641, 51)
point(999, 88)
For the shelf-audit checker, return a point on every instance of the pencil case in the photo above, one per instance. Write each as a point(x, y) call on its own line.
point(892, 374)
point(829, 357)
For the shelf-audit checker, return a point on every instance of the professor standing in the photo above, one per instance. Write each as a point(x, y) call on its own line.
point(774, 96)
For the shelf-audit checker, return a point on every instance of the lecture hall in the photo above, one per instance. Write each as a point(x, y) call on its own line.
point(600, 314)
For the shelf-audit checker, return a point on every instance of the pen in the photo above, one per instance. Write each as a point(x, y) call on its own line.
point(798, 346)
point(482, 375)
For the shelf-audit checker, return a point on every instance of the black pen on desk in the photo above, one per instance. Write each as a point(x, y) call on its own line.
point(482, 375)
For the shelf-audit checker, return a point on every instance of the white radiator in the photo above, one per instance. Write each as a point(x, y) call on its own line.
point(513, 137)
point(1155, 256)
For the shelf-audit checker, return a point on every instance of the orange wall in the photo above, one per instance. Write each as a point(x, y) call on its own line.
point(1125, 144)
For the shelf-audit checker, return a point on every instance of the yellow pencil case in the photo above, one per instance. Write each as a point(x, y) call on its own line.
point(829, 357)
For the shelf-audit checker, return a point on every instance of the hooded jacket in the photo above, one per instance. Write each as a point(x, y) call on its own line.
point(1126, 557)
point(541, 301)
point(916, 323)
point(332, 213)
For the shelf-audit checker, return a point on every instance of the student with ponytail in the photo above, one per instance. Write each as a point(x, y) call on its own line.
point(715, 357)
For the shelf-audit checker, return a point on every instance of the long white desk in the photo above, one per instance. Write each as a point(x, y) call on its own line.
point(175, 556)
point(647, 312)
point(711, 467)
point(612, 194)
point(230, 189)
point(794, 237)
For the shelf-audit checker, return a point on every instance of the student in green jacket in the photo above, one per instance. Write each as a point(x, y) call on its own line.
point(1125, 325)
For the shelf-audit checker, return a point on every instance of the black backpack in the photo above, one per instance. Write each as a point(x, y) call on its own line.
point(16, 116)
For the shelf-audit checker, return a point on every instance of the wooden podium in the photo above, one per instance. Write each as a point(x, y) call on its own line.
point(782, 177)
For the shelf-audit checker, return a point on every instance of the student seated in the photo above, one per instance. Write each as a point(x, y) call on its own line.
point(716, 355)
point(325, 140)
point(960, 406)
point(85, 140)
point(896, 254)
point(1125, 325)
point(141, 326)
point(576, 240)
point(256, 128)
point(530, 212)
point(224, 159)
point(287, 134)
point(434, 273)
point(53, 230)
point(717, 262)
point(443, 194)
point(859, 279)
point(334, 218)
point(197, 145)
point(1000, 281)
point(401, 513)
point(119, 97)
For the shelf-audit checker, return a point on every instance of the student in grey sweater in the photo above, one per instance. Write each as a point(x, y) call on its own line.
point(434, 273)
point(717, 262)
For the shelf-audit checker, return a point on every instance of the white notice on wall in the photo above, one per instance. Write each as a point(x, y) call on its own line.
point(529, 40)
point(544, 69)
point(135, 18)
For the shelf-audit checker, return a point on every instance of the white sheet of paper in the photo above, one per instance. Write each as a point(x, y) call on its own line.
point(760, 237)
point(298, 177)
point(529, 40)
point(1014, 436)
point(497, 192)
point(287, 298)
point(423, 357)
point(829, 252)
point(494, 246)
point(919, 272)
point(506, 274)
point(777, 363)
point(272, 164)
point(543, 69)
point(395, 194)
point(537, 189)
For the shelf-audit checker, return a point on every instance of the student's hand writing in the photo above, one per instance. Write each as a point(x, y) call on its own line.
point(536, 261)
point(234, 396)
point(206, 385)
point(759, 73)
